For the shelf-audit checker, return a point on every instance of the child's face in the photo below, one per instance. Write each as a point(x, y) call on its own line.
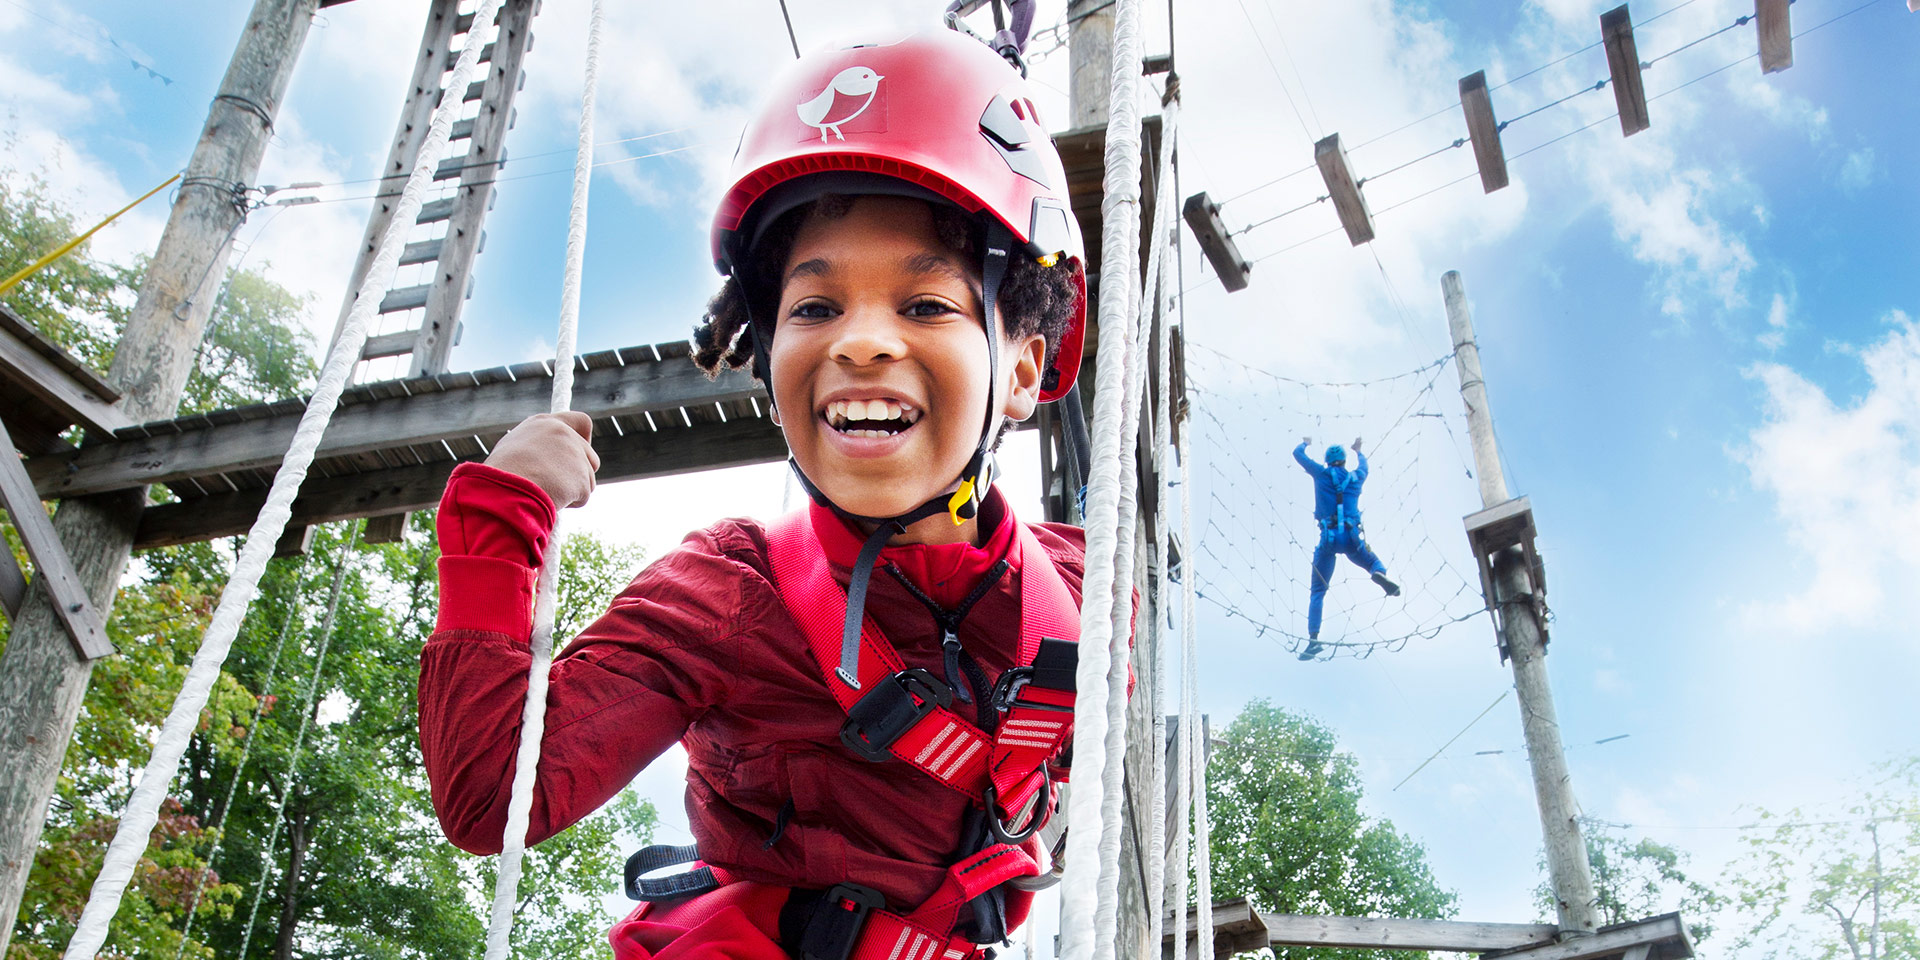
point(879, 360)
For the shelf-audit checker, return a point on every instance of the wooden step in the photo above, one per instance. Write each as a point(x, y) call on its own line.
point(486, 54)
point(434, 211)
point(462, 129)
point(422, 251)
point(389, 345)
point(405, 298)
point(452, 167)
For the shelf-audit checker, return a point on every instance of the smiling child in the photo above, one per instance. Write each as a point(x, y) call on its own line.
point(875, 692)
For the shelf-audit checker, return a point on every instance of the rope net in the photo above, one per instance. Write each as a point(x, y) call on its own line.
point(1254, 509)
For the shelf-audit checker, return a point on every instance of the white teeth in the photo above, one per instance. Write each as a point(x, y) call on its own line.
point(839, 413)
point(893, 410)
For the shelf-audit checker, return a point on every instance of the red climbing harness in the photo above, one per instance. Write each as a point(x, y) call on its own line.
point(907, 714)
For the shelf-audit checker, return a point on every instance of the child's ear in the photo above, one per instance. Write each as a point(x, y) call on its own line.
point(1022, 361)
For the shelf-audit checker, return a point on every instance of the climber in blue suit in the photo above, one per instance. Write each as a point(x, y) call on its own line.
point(1336, 507)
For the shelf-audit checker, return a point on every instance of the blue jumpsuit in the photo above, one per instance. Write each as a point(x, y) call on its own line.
point(1336, 506)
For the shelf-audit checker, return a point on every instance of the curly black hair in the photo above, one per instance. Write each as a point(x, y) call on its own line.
point(1033, 299)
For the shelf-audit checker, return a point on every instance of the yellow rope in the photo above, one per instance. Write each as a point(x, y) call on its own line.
point(66, 248)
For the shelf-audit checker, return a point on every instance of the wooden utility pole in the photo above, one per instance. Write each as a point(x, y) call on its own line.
point(1517, 589)
point(1089, 62)
point(42, 680)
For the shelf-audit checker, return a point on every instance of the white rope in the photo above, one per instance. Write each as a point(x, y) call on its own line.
point(143, 808)
point(246, 751)
point(300, 737)
point(1082, 936)
point(1113, 780)
point(533, 717)
point(1197, 753)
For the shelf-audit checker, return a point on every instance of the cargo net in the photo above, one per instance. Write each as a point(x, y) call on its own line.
point(1254, 505)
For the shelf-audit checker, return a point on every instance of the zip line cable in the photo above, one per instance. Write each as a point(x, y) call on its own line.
point(533, 720)
point(137, 820)
point(308, 706)
point(1450, 740)
point(795, 41)
point(544, 153)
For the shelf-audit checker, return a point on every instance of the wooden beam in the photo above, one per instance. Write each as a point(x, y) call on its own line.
point(635, 456)
point(1400, 934)
point(1483, 131)
point(56, 378)
point(386, 528)
point(51, 566)
point(1664, 936)
point(1623, 66)
point(1347, 201)
point(1776, 34)
point(1236, 927)
point(377, 424)
point(1203, 218)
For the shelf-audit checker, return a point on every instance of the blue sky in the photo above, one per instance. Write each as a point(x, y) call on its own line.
point(1699, 343)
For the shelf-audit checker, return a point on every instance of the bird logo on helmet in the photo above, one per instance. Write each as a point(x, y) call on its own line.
point(845, 98)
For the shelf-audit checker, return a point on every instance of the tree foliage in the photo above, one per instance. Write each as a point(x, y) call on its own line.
point(1634, 880)
point(373, 877)
point(1289, 834)
point(1830, 884)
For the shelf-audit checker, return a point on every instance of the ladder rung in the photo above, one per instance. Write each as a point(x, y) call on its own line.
point(421, 251)
point(462, 129)
point(389, 345)
point(455, 166)
point(434, 211)
point(405, 298)
point(462, 23)
point(474, 90)
point(486, 55)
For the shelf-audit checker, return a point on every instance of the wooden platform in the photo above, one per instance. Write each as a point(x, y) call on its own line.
point(1238, 927)
point(392, 444)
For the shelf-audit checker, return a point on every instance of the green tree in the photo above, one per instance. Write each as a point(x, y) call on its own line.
point(1830, 884)
point(1289, 834)
point(358, 867)
point(1640, 879)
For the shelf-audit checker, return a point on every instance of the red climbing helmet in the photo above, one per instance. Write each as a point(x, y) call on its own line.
point(936, 115)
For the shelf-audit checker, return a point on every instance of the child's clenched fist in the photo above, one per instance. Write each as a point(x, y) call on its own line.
point(552, 450)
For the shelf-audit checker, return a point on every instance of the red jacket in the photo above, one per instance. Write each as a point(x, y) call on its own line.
point(699, 649)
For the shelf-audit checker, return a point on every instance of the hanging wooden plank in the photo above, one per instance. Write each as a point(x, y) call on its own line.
point(1776, 34)
point(52, 567)
point(1203, 218)
point(1345, 191)
point(1483, 131)
point(1623, 65)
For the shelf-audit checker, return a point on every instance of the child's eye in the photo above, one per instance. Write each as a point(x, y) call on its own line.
point(811, 310)
point(929, 309)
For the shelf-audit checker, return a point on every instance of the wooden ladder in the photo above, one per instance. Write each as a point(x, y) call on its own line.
point(439, 300)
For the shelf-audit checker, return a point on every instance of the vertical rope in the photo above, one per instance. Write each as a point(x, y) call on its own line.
point(1197, 755)
point(143, 808)
point(533, 717)
point(1082, 936)
point(1183, 778)
point(246, 751)
point(307, 706)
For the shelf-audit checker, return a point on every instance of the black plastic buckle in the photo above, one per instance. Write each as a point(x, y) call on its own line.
point(837, 920)
point(1042, 811)
point(889, 710)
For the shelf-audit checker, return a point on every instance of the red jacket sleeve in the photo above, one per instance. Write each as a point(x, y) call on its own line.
point(623, 691)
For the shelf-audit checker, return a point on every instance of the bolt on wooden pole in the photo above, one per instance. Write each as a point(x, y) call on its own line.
point(1523, 636)
point(42, 681)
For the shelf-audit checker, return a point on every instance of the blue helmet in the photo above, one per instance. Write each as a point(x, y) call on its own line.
point(1336, 454)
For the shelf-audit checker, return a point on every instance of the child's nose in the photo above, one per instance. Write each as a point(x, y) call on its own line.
point(868, 335)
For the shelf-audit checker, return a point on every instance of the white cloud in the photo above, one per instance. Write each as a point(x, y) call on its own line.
point(1776, 332)
point(1846, 482)
point(1857, 172)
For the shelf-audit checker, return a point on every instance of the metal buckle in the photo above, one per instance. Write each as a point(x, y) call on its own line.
point(837, 921)
point(1042, 805)
point(889, 710)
